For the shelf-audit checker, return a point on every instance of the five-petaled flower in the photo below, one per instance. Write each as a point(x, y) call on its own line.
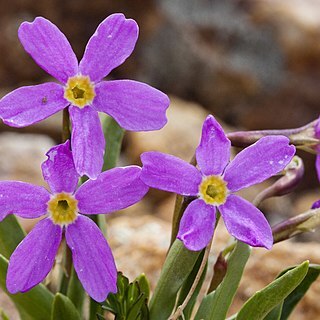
point(66, 207)
point(134, 105)
point(214, 183)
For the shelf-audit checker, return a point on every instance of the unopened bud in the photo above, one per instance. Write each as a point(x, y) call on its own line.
point(304, 222)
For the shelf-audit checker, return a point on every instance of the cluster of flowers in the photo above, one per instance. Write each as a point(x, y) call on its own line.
point(135, 106)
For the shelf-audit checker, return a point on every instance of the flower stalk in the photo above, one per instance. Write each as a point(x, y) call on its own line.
point(303, 137)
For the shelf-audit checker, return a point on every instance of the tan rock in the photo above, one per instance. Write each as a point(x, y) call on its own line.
point(22, 155)
point(179, 137)
point(139, 245)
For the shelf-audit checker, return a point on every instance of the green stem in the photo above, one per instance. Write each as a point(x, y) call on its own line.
point(66, 133)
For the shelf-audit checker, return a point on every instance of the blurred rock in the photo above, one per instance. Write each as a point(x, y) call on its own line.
point(179, 137)
point(22, 155)
point(139, 244)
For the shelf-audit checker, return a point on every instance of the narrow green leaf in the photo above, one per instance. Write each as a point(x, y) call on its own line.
point(132, 294)
point(297, 294)
point(279, 312)
point(63, 308)
point(176, 269)
point(34, 304)
point(262, 302)
point(216, 304)
point(135, 310)
point(11, 234)
point(113, 134)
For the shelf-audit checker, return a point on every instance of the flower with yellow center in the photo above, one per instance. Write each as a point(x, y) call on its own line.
point(79, 91)
point(212, 184)
point(213, 190)
point(63, 209)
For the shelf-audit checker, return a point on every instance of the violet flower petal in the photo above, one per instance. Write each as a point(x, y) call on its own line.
point(59, 170)
point(318, 164)
point(246, 222)
point(22, 199)
point(213, 152)
point(110, 46)
point(113, 190)
point(316, 205)
point(134, 105)
point(92, 258)
point(28, 105)
point(197, 225)
point(34, 257)
point(87, 141)
point(49, 48)
point(260, 161)
point(166, 172)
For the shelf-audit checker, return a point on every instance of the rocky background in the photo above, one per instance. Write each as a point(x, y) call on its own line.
point(254, 64)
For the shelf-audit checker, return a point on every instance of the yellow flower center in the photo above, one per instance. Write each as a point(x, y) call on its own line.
point(213, 190)
point(79, 91)
point(63, 208)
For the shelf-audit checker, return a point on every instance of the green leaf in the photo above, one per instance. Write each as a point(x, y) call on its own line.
point(262, 302)
point(284, 309)
point(143, 285)
point(113, 134)
point(176, 269)
point(275, 313)
point(11, 234)
point(297, 294)
point(216, 304)
point(135, 310)
point(187, 286)
point(63, 309)
point(34, 304)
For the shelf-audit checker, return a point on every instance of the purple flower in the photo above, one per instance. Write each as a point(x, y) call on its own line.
point(66, 207)
point(134, 105)
point(215, 182)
